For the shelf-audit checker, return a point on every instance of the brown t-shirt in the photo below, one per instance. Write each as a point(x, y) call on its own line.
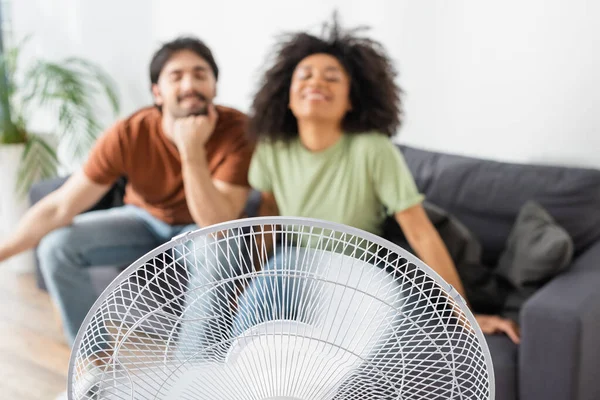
point(137, 148)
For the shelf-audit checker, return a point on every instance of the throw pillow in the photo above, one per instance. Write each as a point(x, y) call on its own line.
point(537, 249)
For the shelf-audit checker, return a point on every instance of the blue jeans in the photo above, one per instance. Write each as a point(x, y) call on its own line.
point(399, 330)
point(113, 237)
point(337, 301)
point(298, 285)
point(216, 266)
point(275, 294)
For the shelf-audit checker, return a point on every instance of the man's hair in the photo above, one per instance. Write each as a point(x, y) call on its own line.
point(162, 55)
point(374, 94)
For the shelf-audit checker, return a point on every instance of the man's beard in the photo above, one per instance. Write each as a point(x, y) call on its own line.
point(196, 111)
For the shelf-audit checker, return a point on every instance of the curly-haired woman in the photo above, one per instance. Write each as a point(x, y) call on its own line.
point(324, 115)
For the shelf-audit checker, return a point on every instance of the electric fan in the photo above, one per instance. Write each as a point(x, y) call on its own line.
point(280, 308)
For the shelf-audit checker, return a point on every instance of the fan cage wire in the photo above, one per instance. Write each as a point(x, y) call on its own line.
point(282, 228)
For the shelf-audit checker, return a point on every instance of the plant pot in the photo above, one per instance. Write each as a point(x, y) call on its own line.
point(12, 205)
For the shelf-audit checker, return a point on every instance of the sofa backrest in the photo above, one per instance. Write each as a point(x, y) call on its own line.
point(487, 195)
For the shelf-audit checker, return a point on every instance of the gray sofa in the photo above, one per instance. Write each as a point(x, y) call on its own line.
point(559, 357)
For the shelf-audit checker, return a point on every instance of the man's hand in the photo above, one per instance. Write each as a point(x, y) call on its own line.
point(190, 134)
point(493, 324)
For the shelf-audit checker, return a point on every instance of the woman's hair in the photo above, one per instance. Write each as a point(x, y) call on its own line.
point(374, 94)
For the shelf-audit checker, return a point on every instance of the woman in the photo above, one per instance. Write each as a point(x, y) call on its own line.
point(324, 115)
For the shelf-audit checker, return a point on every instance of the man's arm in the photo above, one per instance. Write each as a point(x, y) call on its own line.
point(209, 200)
point(56, 210)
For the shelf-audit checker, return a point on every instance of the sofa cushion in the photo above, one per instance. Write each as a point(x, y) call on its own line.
point(487, 195)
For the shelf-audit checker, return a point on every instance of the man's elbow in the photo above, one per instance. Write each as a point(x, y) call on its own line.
point(216, 217)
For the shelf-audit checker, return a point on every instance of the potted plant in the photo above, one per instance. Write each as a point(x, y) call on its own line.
point(69, 92)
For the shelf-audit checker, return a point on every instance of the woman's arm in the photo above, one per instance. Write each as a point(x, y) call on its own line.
point(425, 240)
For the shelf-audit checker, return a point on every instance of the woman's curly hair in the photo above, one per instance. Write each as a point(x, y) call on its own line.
point(374, 94)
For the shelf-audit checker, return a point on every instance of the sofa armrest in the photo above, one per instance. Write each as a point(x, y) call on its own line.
point(560, 347)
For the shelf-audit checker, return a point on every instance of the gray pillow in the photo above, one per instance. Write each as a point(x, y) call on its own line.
point(537, 249)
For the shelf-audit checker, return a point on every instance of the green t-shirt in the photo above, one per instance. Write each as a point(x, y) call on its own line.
point(351, 182)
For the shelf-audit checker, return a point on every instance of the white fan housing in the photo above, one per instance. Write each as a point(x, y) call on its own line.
point(280, 308)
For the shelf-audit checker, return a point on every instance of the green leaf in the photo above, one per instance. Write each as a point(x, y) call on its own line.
point(39, 161)
point(95, 73)
point(71, 89)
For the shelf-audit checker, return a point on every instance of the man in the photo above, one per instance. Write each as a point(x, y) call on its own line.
point(186, 161)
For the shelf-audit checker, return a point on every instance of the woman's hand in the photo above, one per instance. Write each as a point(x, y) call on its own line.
point(493, 324)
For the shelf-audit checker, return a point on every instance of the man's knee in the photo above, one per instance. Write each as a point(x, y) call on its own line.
point(53, 247)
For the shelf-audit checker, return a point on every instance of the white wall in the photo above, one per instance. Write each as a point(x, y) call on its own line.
point(513, 80)
point(116, 34)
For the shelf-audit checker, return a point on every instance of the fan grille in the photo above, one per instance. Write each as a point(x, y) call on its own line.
point(280, 308)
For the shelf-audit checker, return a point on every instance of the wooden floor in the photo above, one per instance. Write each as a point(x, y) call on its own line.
point(34, 357)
